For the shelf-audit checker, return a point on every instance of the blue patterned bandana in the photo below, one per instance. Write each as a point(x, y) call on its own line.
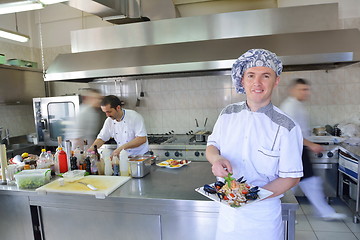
point(254, 58)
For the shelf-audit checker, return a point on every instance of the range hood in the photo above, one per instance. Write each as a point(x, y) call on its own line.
point(304, 37)
point(126, 11)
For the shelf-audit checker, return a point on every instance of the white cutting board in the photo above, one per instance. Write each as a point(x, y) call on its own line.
point(105, 185)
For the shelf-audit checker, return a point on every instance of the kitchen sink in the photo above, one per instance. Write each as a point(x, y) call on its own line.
point(17, 146)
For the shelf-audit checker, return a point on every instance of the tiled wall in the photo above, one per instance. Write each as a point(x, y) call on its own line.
point(175, 103)
point(19, 119)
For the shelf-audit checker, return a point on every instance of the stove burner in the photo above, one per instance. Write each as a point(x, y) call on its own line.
point(157, 139)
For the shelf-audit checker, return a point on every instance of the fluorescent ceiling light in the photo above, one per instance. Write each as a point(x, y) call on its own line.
point(13, 36)
point(21, 6)
point(48, 2)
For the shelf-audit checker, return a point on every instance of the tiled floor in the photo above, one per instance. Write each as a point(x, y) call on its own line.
point(312, 228)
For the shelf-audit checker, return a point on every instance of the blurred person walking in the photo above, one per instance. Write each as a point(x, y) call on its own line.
point(311, 185)
point(89, 120)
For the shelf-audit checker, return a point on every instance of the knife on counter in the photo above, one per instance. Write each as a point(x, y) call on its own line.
point(89, 186)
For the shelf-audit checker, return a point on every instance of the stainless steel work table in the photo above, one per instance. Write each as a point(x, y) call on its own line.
point(162, 205)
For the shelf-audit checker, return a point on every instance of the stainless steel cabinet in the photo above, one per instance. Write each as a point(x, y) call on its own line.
point(349, 188)
point(15, 217)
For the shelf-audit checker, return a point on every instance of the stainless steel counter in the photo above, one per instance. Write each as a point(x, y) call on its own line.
point(352, 150)
point(163, 203)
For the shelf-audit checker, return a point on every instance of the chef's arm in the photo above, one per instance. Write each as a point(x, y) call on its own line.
point(316, 148)
point(98, 142)
point(281, 185)
point(137, 141)
point(220, 165)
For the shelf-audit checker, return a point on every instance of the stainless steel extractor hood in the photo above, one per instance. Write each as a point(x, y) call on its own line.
point(305, 37)
point(126, 11)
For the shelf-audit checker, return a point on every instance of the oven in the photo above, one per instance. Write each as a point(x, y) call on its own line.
point(177, 146)
point(52, 116)
point(325, 165)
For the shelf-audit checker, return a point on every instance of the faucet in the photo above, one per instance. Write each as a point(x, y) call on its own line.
point(6, 139)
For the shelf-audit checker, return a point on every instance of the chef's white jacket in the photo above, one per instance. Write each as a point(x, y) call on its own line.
point(132, 125)
point(261, 146)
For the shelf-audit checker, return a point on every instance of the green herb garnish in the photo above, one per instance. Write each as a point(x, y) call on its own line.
point(228, 179)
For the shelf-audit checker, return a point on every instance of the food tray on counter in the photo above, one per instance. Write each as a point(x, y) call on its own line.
point(263, 193)
point(173, 164)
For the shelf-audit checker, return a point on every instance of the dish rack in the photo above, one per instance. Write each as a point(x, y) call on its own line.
point(349, 187)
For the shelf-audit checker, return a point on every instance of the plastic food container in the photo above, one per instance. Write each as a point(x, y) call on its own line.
point(28, 179)
point(74, 175)
point(139, 166)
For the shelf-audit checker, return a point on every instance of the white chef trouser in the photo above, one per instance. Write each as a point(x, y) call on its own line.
point(261, 220)
point(313, 189)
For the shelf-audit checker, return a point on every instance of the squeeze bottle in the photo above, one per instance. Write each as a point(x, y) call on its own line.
point(63, 163)
point(124, 164)
point(105, 154)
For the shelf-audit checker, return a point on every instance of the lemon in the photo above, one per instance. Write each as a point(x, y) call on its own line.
point(25, 155)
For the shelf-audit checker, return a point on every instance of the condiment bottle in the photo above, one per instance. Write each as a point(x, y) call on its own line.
point(62, 158)
point(115, 163)
point(73, 162)
point(124, 163)
point(93, 162)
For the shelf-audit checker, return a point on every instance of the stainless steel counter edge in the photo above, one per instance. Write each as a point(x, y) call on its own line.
point(162, 186)
point(354, 151)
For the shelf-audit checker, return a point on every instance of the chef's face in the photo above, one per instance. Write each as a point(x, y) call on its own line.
point(259, 83)
point(114, 113)
point(301, 92)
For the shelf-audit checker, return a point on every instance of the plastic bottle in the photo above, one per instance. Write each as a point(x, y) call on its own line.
point(93, 162)
point(124, 163)
point(79, 154)
point(62, 159)
point(100, 162)
point(115, 165)
point(50, 161)
point(41, 162)
point(105, 155)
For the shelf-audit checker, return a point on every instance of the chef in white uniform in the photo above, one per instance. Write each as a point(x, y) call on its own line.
point(311, 185)
point(256, 140)
point(126, 126)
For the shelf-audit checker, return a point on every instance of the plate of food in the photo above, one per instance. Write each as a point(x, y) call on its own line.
point(233, 193)
point(173, 164)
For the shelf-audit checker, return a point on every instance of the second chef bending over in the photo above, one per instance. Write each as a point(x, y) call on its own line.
point(126, 126)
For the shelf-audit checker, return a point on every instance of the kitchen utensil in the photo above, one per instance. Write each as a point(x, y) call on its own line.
point(196, 121)
point(205, 122)
point(89, 186)
point(137, 104)
point(142, 94)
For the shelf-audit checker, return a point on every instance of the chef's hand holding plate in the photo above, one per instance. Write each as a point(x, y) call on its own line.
point(221, 167)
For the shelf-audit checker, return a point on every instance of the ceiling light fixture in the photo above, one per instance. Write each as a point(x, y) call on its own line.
point(13, 36)
point(21, 6)
point(48, 2)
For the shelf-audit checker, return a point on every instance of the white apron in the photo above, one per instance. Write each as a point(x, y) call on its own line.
point(261, 220)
